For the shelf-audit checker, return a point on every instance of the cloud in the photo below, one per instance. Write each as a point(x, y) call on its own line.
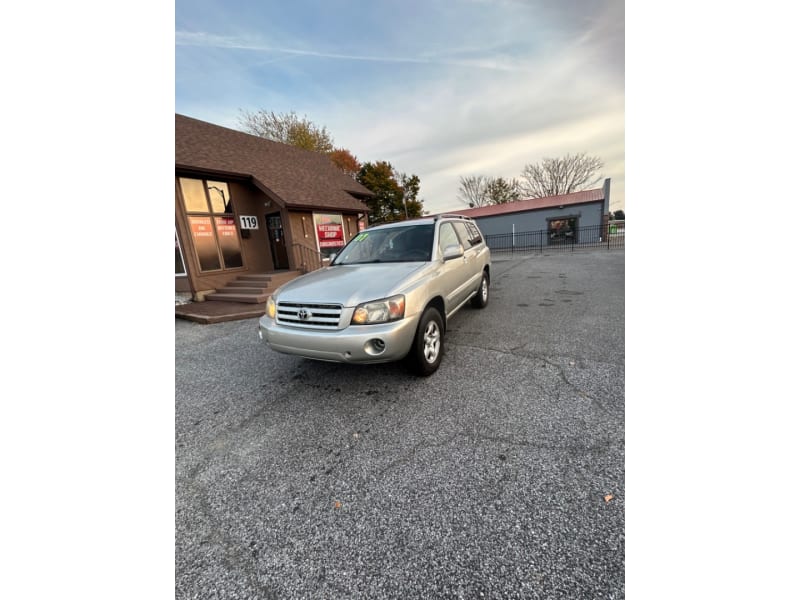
point(472, 88)
point(203, 39)
point(488, 123)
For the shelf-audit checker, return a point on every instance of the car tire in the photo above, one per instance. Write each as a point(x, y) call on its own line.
point(481, 299)
point(426, 351)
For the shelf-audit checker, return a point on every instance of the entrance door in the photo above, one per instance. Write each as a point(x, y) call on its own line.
point(277, 242)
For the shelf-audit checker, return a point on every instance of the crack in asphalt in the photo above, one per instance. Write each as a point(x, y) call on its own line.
point(532, 356)
point(228, 545)
point(221, 441)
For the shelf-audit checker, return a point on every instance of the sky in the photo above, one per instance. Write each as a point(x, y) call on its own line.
point(439, 88)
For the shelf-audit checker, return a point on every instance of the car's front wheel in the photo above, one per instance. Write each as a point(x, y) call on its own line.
point(426, 351)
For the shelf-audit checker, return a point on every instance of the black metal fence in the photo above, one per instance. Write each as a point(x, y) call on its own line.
point(595, 236)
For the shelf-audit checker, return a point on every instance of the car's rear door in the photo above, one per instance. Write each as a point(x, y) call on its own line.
point(455, 272)
point(471, 254)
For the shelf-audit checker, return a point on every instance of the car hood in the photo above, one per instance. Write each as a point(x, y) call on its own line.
point(350, 285)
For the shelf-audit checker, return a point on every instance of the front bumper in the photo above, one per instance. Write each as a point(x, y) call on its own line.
point(353, 344)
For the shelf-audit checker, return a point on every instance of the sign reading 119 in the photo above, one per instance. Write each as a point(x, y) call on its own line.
point(248, 222)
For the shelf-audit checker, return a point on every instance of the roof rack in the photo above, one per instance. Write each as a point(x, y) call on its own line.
point(451, 216)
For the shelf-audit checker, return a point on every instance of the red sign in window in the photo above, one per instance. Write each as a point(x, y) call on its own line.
point(204, 243)
point(201, 227)
point(226, 226)
point(330, 235)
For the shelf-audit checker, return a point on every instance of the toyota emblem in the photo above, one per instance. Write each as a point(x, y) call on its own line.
point(303, 314)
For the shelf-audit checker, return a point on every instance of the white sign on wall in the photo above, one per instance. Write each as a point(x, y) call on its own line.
point(248, 222)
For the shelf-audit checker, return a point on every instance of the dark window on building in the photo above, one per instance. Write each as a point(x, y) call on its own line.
point(216, 238)
point(229, 242)
point(562, 230)
point(205, 243)
point(220, 197)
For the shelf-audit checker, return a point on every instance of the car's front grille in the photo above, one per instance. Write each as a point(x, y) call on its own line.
point(309, 315)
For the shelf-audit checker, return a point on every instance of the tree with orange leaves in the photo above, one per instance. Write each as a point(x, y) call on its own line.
point(345, 161)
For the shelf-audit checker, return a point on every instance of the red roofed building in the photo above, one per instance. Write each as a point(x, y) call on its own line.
point(250, 212)
point(554, 217)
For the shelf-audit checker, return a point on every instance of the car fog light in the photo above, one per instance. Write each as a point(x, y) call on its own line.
point(374, 347)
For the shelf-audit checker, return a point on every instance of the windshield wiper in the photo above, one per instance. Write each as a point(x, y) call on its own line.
point(366, 262)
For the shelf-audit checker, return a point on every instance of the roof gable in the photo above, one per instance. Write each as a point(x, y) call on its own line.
point(298, 177)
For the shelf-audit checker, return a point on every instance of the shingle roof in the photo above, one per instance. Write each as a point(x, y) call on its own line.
point(298, 177)
point(532, 204)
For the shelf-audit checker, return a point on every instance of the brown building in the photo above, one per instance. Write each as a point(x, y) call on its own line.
point(245, 205)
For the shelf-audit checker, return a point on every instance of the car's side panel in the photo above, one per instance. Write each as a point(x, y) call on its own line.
point(474, 267)
point(454, 279)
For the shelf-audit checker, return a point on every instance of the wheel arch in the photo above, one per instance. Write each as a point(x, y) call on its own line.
point(438, 303)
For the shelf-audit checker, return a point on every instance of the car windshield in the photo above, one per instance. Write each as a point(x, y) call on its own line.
point(409, 243)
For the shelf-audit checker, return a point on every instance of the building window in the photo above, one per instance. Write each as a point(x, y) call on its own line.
point(209, 211)
point(220, 197)
point(180, 266)
point(562, 230)
point(330, 233)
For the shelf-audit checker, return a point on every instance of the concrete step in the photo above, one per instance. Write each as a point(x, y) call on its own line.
point(252, 288)
point(276, 276)
point(255, 277)
point(249, 283)
point(246, 298)
point(229, 289)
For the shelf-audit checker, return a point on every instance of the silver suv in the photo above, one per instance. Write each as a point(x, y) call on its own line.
point(386, 296)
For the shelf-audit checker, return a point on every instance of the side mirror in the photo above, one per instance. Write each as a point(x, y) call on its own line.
point(332, 257)
point(453, 251)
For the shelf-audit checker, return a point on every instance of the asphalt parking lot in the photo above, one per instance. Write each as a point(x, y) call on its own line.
point(500, 476)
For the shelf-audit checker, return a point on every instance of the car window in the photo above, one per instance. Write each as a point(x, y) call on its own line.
point(392, 244)
point(447, 237)
point(475, 232)
point(463, 234)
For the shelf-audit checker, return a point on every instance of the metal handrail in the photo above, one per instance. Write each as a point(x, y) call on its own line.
point(306, 259)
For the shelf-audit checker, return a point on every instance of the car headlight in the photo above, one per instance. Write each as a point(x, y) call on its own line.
point(380, 311)
point(271, 307)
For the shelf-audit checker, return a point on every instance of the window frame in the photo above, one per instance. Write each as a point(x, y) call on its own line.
point(439, 238)
point(213, 216)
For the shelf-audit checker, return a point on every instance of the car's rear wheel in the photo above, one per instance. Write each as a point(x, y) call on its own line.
point(428, 347)
point(481, 299)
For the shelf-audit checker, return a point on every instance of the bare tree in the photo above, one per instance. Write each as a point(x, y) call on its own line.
point(473, 191)
point(554, 176)
point(287, 128)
